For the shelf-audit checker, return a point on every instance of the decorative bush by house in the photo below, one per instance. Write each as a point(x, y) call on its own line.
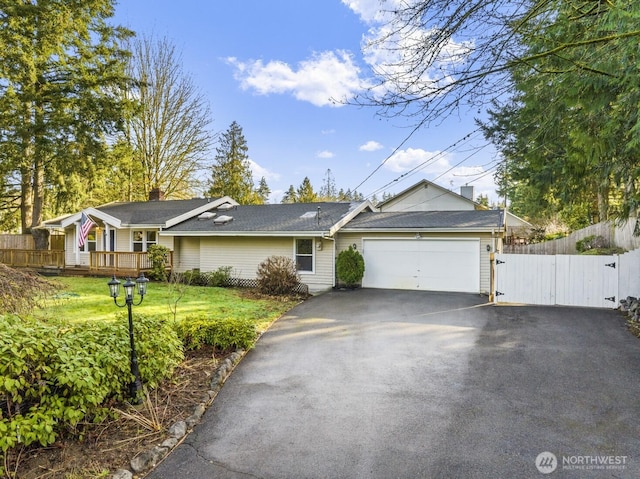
point(350, 267)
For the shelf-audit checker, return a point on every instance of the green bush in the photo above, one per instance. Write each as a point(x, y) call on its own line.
point(224, 334)
point(220, 277)
point(591, 242)
point(350, 267)
point(159, 256)
point(52, 375)
point(277, 275)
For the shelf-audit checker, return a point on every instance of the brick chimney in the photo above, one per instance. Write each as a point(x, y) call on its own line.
point(156, 194)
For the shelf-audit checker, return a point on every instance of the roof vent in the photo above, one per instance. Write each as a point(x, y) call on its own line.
point(223, 220)
point(225, 207)
point(207, 215)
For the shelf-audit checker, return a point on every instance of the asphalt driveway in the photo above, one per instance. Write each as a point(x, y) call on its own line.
point(393, 384)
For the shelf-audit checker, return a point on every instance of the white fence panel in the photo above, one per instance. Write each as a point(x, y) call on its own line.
point(524, 278)
point(590, 281)
point(629, 274)
point(568, 280)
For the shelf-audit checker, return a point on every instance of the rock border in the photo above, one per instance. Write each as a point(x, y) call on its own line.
point(147, 460)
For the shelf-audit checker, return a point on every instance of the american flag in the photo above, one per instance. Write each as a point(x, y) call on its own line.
point(85, 226)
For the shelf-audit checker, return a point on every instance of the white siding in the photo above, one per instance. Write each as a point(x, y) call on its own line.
point(166, 241)
point(246, 254)
point(186, 255)
point(428, 198)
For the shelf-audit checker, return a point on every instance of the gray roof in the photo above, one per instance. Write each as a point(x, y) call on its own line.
point(269, 218)
point(151, 212)
point(468, 219)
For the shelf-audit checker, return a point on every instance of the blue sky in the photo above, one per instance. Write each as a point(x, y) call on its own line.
point(273, 67)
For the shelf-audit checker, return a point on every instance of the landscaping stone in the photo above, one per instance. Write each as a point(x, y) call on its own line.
point(122, 474)
point(148, 459)
point(178, 430)
point(170, 443)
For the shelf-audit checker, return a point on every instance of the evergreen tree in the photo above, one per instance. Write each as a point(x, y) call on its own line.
point(263, 191)
point(305, 193)
point(231, 175)
point(483, 200)
point(290, 196)
point(62, 72)
point(587, 169)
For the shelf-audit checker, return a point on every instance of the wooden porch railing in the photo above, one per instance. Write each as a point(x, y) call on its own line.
point(32, 258)
point(115, 261)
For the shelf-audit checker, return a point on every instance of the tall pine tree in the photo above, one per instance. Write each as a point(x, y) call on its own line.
point(61, 73)
point(231, 175)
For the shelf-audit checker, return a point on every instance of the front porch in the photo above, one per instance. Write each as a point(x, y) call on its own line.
point(114, 262)
point(100, 262)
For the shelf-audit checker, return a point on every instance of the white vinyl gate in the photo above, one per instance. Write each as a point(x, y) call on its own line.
point(567, 280)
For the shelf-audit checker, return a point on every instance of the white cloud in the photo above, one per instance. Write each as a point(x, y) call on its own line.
point(325, 154)
point(404, 160)
point(372, 11)
point(325, 77)
point(371, 146)
point(276, 196)
point(328, 132)
point(258, 172)
point(392, 43)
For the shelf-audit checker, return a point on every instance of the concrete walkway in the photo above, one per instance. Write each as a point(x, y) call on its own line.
point(393, 384)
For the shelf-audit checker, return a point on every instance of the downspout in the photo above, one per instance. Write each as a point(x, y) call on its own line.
point(333, 264)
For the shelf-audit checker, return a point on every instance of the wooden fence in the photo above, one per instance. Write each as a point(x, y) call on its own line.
point(32, 258)
point(25, 242)
point(621, 236)
point(17, 242)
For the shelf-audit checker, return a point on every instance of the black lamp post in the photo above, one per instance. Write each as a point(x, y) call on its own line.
point(135, 388)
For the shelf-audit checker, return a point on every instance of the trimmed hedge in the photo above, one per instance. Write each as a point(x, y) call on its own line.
point(224, 334)
point(54, 375)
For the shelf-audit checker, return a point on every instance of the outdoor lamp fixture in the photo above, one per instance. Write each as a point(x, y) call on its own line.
point(135, 388)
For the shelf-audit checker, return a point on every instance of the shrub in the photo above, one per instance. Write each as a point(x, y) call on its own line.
point(158, 255)
point(350, 267)
point(53, 376)
point(220, 277)
point(21, 291)
point(224, 334)
point(277, 275)
point(591, 242)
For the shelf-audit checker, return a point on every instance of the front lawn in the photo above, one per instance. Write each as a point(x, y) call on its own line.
point(82, 299)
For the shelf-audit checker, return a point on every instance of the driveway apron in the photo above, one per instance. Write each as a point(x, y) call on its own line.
point(399, 384)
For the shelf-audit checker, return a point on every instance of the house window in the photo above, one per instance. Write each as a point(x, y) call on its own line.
point(90, 243)
point(142, 239)
point(304, 255)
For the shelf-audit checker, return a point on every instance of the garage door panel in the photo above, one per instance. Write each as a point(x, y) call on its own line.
point(426, 264)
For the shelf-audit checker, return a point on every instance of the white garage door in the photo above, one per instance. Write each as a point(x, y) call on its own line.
point(422, 264)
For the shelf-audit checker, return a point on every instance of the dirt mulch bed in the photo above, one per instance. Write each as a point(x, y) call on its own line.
point(111, 445)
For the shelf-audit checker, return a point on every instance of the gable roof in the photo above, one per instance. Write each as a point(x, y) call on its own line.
point(428, 203)
point(466, 220)
point(157, 214)
point(273, 219)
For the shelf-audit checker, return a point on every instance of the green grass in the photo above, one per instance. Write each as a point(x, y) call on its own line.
point(87, 299)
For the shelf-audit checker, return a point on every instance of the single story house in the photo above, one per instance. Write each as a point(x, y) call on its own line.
point(425, 238)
